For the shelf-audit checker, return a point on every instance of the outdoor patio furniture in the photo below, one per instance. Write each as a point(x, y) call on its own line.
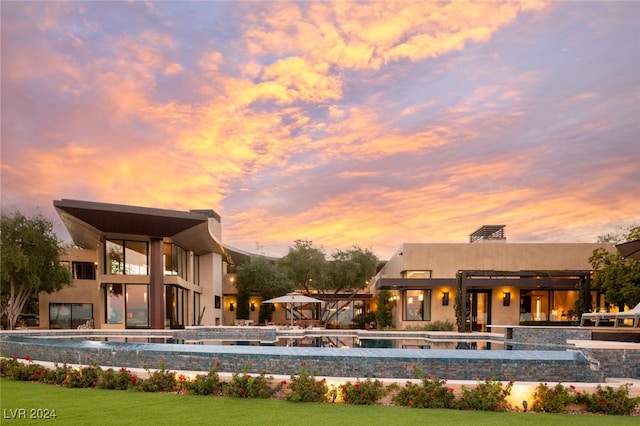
point(618, 317)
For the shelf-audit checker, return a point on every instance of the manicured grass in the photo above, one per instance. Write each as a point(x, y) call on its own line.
point(110, 407)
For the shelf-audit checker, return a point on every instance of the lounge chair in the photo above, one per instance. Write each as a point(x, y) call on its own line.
point(596, 317)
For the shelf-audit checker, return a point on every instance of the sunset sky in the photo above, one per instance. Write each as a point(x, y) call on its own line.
point(352, 123)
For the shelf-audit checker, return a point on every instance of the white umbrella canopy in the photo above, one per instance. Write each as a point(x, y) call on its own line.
point(291, 298)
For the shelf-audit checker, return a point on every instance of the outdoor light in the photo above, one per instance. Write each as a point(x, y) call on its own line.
point(231, 307)
point(506, 298)
point(445, 298)
point(253, 307)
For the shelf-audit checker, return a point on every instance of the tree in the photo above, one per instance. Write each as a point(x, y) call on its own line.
point(384, 313)
point(29, 261)
point(617, 277)
point(260, 275)
point(304, 265)
point(348, 272)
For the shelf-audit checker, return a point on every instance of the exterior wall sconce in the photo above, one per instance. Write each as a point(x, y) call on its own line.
point(445, 298)
point(232, 307)
point(253, 307)
point(506, 298)
point(394, 299)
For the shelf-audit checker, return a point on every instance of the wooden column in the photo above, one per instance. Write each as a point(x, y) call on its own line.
point(156, 287)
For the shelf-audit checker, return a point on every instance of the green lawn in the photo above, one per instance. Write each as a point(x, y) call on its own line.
point(110, 407)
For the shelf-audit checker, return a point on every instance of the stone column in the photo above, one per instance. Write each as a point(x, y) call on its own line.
point(156, 287)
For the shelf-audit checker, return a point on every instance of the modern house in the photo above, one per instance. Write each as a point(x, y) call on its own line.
point(139, 267)
point(500, 283)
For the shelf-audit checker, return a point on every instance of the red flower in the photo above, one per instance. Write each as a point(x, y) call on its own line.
point(28, 358)
point(217, 363)
point(182, 378)
point(35, 376)
point(578, 393)
point(450, 390)
point(356, 385)
point(572, 387)
point(93, 384)
point(603, 402)
point(65, 383)
point(133, 379)
point(410, 403)
point(284, 382)
point(303, 363)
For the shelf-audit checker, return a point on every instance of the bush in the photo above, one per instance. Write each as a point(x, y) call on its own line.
point(433, 326)
point(608, 400)
point(489, 395)
point(432, 393)
point(161, 380)
point(85, 377)
point(305, 388)
point(246, 386)
point(118, 380)
point(363, 393)
point(553, 400)
point(202, 384)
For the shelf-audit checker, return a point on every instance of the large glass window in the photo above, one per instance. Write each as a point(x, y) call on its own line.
point(69, 315)
point(417, 305)
point(196, 270)
point(115, 303)
point(548, 305)
point(175, 304)
point(126, 257)
point(416, 274)
point(137, 304)
point(342, 313)
point(175, 260)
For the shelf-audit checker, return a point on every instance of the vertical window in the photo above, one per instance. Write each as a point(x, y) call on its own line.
point(197, 313)
point(175, 260)
point(115, 257)
point(417, 305)
point(115, 304)
point(196, 270)
point(137, 306)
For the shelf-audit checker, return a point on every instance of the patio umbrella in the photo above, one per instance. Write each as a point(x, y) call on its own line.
point(291, 298)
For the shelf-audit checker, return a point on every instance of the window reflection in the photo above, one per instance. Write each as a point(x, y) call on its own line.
point(137, 306)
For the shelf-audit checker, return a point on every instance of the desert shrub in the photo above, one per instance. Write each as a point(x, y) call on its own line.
point(489, 395)
point(363, 393)
point(553, 400)
point(305, 388)
point(608, 400)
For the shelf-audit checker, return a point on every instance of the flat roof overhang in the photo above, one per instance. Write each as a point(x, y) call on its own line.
point(566, 280)
point(89, 222)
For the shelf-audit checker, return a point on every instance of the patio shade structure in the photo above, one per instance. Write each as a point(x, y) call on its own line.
point(292, 298)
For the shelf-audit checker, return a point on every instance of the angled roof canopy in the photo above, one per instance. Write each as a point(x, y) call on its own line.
point(88, 222)
point(488, 232)
point(630, 249)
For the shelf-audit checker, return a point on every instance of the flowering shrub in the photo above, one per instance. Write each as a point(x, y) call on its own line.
point(363, 393)
point(553, 400)
point(305, 388)
point(161, 380)
point(431, 393)
point(608, 400)
point(202, 384)
point(85, 377)
point(246, 386)
point(119, 380)
point(489, 395)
